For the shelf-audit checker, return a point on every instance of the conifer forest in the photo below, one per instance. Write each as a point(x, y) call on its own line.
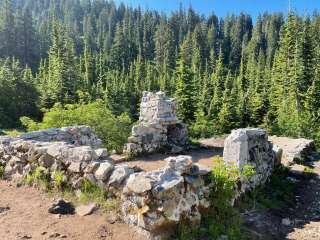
point(88, 62)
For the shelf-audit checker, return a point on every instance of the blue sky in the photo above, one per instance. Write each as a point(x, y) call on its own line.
point(225, 7)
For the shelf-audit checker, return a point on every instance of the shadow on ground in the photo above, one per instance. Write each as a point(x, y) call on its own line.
point(298, 220)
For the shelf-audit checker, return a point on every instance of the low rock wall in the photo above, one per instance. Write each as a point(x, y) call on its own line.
point(150, 200)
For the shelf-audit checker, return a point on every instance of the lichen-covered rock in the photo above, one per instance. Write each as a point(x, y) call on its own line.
point(101, 153)
point(139, 183)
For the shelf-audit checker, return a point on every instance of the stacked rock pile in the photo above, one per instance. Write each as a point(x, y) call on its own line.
point(158, 127)
point(76, 151)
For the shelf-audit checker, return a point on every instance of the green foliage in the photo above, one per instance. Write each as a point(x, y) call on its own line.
point(184, 91)
point(225, 73)
point(93, 193)
point(226, 220)
point(1, 171)
point(58, 180)
point(18, 96)
point(40, 178)
point(113, 130)
point(276, 194)
point(223, 218)
point(11, 132)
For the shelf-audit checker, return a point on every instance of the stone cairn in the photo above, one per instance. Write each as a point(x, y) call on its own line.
point(149, 200)
point(158, 127)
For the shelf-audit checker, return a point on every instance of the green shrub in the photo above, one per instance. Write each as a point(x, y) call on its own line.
point(29, 179)
point(12, 132)
point(58, 180)
point(1, 171)
point(93, 193)
point(40, 177)
point(276, 194)
point(113, 130)
point(225, 219)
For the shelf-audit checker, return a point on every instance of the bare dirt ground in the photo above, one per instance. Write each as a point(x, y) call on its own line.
point(208, 149)
point(24, 215)
point(24, 210)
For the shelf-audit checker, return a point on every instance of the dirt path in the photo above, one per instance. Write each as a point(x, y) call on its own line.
point(300, 220)
point(24, 215)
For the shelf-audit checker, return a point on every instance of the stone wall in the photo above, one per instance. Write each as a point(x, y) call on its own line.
point(250, 146)
point(158, 127)
point(164, 197)
point(152, 200)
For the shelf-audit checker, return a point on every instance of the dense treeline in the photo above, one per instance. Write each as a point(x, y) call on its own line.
point(225, 73)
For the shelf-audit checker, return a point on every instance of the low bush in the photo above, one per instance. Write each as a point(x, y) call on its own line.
point(223, 219)
point(276, 194)
point(226, 220)
point(58, 180)
point(40, 178)
point(113, 130)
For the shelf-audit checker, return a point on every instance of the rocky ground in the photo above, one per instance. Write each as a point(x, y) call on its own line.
point(24, 210)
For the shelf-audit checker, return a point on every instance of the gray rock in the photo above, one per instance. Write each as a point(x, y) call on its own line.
point(120, 173)
point(91, 178)
point(61, 207)
point(92, 167)
point(46, 160)
point(176, 149)
point(199, 169)
point(182, 163)
point(158, 127)
point(278, 154)
point(286, 222)
point(139, 183)
point(75, 167)
point(250, 146)
point(102, 153)
point(104, 170)
point(84, 210)
point(77, 183)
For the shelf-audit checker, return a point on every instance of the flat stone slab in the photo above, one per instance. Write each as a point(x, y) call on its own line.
point(294, 149)
point(84, 210)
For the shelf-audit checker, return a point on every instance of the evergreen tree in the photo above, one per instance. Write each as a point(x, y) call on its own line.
point(228, 118)
point(184, 93)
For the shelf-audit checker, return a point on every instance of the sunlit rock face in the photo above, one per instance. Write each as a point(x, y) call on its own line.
point(177, 192)
point(250, 146)
point(158, 126)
